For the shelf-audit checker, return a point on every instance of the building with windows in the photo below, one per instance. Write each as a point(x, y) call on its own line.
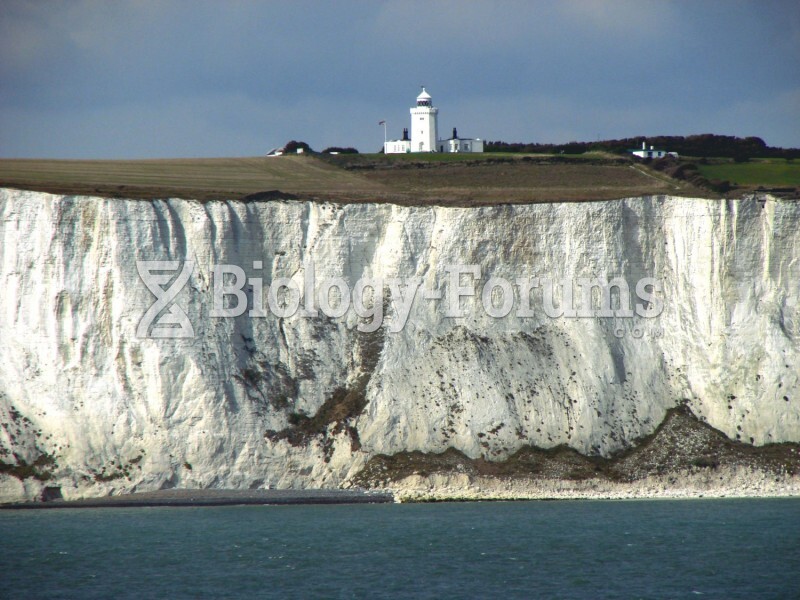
point(424, 133)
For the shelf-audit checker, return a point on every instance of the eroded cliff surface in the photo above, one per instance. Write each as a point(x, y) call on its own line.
point(88, 406)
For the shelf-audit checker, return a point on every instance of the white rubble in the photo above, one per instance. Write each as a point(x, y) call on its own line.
point(725, 482)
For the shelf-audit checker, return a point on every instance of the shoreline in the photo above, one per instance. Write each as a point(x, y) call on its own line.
point(729, 482)
point(211, 497)
point(388, 496)
point(434, 488)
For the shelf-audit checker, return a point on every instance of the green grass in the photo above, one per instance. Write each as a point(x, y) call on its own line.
point(454, 157)
point(768, 172)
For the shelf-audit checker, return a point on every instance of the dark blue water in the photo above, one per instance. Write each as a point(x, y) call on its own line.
point(578, 549)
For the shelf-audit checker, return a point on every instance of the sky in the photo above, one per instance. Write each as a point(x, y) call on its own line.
point(143, 79)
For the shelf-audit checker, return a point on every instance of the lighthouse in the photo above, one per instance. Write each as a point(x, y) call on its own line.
point(424, 129)
point(424, 133)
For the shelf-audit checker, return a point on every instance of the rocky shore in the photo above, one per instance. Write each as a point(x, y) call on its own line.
point(724, 483)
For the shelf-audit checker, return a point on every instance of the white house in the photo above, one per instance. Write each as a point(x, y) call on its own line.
point(457, 144)
point(652, 152)
point(425, 133)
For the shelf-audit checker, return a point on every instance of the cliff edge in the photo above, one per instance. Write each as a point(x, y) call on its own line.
point(91, 403)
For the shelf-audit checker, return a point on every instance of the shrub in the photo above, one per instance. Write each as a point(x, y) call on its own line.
point(291, 147)
point(339, 150)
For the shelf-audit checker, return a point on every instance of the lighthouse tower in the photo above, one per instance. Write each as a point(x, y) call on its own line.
point(424, 132)
point(424, 129)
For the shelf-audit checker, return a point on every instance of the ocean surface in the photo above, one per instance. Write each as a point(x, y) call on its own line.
point(562, 549)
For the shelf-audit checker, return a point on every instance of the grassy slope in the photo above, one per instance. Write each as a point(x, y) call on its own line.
point(463, 180)
point(765, 172)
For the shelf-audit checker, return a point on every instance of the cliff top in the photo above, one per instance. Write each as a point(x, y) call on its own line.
point(455, 180)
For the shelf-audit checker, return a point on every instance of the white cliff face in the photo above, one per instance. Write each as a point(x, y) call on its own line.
point(119, 412)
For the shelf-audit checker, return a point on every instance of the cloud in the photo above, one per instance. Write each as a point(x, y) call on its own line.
point(232, 78)
point(627, 20)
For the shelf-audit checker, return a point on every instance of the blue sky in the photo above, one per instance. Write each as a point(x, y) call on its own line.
point(162, 79)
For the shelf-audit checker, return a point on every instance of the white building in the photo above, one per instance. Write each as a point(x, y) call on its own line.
point(425, 133)
point(457, 144)
point(644, 152)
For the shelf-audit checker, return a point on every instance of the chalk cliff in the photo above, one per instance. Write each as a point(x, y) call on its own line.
point(88, 406)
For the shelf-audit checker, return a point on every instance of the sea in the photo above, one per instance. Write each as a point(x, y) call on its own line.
point(730, 548)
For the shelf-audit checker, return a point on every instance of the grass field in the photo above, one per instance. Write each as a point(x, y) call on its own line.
point(202, 178)
point(459, 157)
point(474, 179)
point(518, 181)
point(767, 172)
point(445, 179)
